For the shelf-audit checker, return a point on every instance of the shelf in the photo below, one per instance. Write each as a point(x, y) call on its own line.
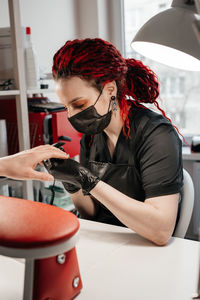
point(16, 92)
point(20, 86)
point(9, 93)
point(40, 91)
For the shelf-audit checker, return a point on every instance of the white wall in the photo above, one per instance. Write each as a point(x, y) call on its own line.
point(52, 24)
point(87, 18)
point(93, 19)
point(101, 18)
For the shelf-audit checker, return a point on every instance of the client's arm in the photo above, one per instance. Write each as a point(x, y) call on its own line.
point(21, 165)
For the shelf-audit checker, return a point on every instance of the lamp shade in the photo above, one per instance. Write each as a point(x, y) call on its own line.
point(169, 37)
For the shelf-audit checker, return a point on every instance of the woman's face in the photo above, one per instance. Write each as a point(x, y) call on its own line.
point(77, 94)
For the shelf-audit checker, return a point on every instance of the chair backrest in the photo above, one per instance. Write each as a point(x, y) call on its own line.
point(186, 206)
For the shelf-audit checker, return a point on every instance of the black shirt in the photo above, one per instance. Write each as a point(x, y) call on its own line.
point(156, 149)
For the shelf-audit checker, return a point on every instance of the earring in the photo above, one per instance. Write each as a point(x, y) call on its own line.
point(114, 104)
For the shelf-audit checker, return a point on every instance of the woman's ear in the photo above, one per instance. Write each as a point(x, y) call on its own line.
point(111, 88)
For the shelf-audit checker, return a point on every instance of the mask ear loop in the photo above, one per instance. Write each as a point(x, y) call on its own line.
point(98, 96)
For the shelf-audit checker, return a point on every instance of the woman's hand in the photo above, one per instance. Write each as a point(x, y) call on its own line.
point(73, 173)
point(21, 165)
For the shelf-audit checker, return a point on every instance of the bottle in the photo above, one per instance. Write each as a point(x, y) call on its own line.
point(31, 63)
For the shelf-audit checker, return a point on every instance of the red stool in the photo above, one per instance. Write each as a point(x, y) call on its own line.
point(45, 236)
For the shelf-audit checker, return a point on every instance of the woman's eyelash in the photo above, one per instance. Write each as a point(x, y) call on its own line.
point(79, 106)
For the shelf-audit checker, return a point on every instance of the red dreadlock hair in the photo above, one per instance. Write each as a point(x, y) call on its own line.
point(100, 62)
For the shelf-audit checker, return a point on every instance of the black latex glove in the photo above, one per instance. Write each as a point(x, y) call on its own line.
point(71, 172)
point(71, 188)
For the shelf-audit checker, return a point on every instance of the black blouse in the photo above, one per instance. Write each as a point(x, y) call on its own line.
point(156, 148)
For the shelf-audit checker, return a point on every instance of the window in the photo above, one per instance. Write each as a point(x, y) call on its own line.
point(179, 90)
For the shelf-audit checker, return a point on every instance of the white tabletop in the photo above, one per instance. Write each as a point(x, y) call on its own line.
point(115, 263)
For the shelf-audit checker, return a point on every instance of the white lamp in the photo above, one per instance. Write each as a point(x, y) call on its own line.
point(172, 37)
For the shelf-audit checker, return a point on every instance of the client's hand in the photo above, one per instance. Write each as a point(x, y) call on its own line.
point(21, 165)
point(72, 173)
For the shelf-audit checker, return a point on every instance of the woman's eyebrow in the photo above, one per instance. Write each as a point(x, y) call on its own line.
point(75, 99)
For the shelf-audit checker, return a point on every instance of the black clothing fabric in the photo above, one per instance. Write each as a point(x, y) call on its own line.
point(148, 164)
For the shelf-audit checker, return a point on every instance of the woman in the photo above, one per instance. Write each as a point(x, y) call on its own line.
point(130, 171)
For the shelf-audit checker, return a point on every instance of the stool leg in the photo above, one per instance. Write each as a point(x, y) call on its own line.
point(58, 277)
point(28, 279)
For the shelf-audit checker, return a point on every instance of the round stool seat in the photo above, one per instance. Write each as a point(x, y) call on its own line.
point(45, 236)
point(35, 227)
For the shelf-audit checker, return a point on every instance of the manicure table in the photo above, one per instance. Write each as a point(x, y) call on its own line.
point(116, 263)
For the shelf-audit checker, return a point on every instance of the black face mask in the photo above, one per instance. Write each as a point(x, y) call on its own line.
point(89, 121)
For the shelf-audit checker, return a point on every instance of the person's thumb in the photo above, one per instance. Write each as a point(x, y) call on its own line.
point(41, 176)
